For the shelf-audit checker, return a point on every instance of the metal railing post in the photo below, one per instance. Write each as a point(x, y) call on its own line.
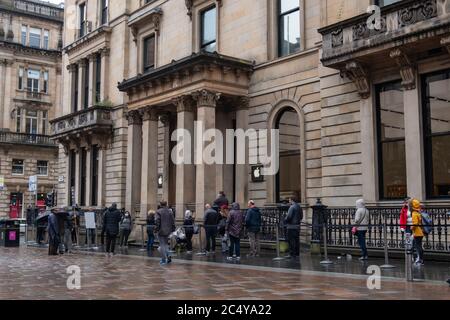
point(202, 252)
point(325, 246)
point(277, 232)
point(408, 257)
point(386, 264)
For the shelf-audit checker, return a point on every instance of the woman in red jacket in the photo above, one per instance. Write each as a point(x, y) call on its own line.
point(406, 216)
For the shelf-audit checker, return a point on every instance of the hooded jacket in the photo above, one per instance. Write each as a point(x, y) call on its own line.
point(416, 227)
point(111, 220)
point(362, 216)
point(253, 220)
point(235, 221)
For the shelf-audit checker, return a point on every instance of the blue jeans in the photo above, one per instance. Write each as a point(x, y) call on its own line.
point(235, 246)
point(362, 242)
point(150, 242)
point(164, 247)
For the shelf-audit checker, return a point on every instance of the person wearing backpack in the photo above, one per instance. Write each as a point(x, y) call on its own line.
point(427, 222)
point(417, 230)
point(360, 225)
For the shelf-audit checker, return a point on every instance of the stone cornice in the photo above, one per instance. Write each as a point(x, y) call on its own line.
point(206, 98)
point(19, 48)
point(83, 42)
point(16, 11)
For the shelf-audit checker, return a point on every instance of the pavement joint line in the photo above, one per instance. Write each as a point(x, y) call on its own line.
point(269, 269)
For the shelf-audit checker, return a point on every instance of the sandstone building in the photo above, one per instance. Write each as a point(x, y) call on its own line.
point(30, 95)
point(362, 111)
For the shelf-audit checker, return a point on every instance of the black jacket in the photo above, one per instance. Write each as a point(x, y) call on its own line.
point(294, 217)
point(253, 220)
point(211, 218)
point(111, 221)
point(220, 201)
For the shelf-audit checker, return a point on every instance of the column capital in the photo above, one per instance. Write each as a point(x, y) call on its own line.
point(149, 114)
point(92, 57)
point(206, 98)
point(407, 69)
point(243, 103)
point(134, 117)
point(71, 67)
point(357, 73)
point(104, 52)
point(82, 63)
point(184, 103)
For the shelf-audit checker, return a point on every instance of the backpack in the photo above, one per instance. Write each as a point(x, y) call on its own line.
point(427, 223)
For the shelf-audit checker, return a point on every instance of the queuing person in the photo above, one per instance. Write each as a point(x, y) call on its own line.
point(53, 234)
point(126, 224)
point(361, 223)
point(102, 234)
point(210, 221)
point(253, 225)
point(164, 226)
point(417, 231)
point(41, 225)
point(406, 217)
point(188, 225)
point(221, 200)
point(221, 228)
point(76, 224)
point(68, 228)
point(111, 222)
point(292, 221)
point(150, 232)
point(234, 228)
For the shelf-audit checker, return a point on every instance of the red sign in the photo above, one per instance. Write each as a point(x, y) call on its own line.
point(40, 203)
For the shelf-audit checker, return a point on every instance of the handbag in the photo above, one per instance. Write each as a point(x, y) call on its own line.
point(196, 229)
point(354, 230)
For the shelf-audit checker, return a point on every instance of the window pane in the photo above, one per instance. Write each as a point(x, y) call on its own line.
point(24, 35)
point(17, 166)
point(208, 29)
point(288, 5)
point(289, 33)
point(35, 37)
point(391, 136)
point(149, 53)
point(42, 168)
point(437, 134)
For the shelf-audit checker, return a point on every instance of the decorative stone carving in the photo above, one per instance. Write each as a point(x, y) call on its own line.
point(446, 43)
point(149, 114)
point(189, 4)
point(184, 104)
point(407, 70)
point(206, 98)
point(134, 117)
point(417, 12)
point(165, 119)
point(356, 73)
point(337, 38)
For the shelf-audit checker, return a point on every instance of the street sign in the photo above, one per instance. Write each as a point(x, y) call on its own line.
point(2, 183)
point(32, 184)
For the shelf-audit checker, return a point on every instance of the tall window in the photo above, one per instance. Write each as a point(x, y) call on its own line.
point(104, 11)
point(436, 108)
point(86, 85)
point(46, 39)
point(149, 53)
point(17, 166)
point(33, 80)
point(44, 122)
point(35, 37)
point(20, 84)
point(24, 35)
point(208, 41)
point(42, 168)
point(82, 22)
point(94, 182)
point(72, 171)
point(83, 171)
point(45, 85)
point(98, 77)
point(18, 119)
point(288, 27)
point(76, 89)
point(31, 122)
point(391, 141)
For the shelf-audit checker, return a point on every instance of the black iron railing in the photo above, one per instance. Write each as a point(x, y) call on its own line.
point(339, 222)
point(26, 138)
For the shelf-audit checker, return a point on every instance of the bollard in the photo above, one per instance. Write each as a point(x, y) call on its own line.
point(408, 257)
point(278, 258)
point(325, 247)
point(202, 252)
point(386, 264)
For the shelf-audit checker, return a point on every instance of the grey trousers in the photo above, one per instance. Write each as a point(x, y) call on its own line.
point(163, 247)
point(68, 240)
point(255, 246)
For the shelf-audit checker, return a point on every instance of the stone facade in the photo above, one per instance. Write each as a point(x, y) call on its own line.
point(30, 94)
point(319, 94)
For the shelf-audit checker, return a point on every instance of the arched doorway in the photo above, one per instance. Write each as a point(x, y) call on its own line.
point(288, 181)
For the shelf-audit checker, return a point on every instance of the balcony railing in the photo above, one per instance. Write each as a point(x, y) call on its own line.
point(33, 95)
point(399, 23)
point(47, 10)
point(26, 139)
point(97, 118)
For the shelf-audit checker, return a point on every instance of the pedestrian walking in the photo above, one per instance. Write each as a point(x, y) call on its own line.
point(126, 224)
point(188, 225)
point(221, 228)
point(111, 221)
point(150, 232)
point(292, 222)
point(253, 224)
point(360, 226)
point(210, 221)
point(164, 226)
point(234, 228)
point(221, 200)
point(406, 217)
point(53, 234)
point(417, 231)
point(76, 224)
point(102, 234)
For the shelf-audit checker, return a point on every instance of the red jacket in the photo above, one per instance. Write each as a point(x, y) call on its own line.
point(404, 218)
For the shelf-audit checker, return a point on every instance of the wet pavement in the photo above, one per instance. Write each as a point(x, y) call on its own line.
point(29, 273)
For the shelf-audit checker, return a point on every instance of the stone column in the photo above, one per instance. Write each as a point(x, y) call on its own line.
point(81, 79)
point(7, 93)
point(242, 170)
point(165, 120)
point(205, 173)
point(2, 90)
point(101, 198)
point(91, 98)
point(185, 185)
point(368, 153)
point(149, 180)
point(72, 81)
point(104, 88)
point(88, 194)
point(415, 167)
point(77, 176)
point(134, 159)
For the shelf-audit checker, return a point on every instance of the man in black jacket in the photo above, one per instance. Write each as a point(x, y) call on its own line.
point(164, 226)
point(210, 221)
point(292, 222)
point(111, 222)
